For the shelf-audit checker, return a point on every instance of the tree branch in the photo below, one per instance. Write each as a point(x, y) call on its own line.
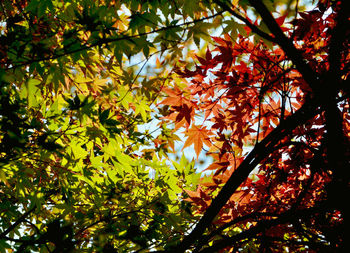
point(17, 222)
point(287, 45)
point(111, 40)
point(260, 151)
point(336, 141)
point(263, 225)
point(204, 239)
point(254, 28)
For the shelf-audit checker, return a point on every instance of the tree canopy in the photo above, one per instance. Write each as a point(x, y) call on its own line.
point(96, 97)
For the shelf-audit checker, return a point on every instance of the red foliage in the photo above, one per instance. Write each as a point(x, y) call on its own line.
point(246, 91)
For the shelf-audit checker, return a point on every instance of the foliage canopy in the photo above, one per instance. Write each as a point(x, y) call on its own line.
point(94, 95)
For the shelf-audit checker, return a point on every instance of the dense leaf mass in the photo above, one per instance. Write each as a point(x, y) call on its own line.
point(77, 169)
point(254, 95)
point(96, 95)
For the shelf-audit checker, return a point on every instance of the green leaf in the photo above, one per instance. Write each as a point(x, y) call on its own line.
point(32, 92)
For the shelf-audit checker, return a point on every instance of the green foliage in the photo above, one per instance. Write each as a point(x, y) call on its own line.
point(78, 170)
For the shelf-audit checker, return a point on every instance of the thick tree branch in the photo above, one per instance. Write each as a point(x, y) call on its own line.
point(263, 225)
point(336, 142)
point(260, 151)
point(338, 162)
point(336, 151)
point(287, 45)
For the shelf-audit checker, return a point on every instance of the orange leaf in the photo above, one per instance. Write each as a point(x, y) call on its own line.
point(243, 197)
point(197, 136)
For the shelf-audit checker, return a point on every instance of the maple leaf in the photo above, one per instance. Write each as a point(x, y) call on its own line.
point(199, 197)
point(243, 197)
point(174, 96)
point(220, 123)
point(184, 112)
point(197, 136)
point(208, 62)
point(218, 167)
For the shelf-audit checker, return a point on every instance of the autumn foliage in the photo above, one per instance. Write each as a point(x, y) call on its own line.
point(248, 94)
point(96, 96)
